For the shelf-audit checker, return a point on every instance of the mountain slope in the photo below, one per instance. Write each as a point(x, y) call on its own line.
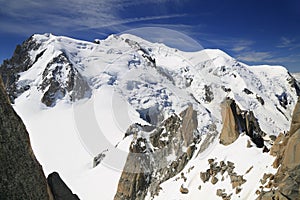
point(81, 97)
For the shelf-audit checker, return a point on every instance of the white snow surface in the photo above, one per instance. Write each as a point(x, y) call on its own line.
point(124, 85)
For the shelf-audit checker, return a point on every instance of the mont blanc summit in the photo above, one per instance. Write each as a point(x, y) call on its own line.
point(125, 118)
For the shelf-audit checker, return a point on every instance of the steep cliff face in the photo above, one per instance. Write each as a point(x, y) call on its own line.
point(60, 77)
point(236, 121)
point(286, 148)
point(20, 62)
point(230, 130)
point(159, 156)
point(21, 174)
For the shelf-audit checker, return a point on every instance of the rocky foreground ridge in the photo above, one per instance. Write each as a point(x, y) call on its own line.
point(147, 164)
point(22, 176)
point(285, 184)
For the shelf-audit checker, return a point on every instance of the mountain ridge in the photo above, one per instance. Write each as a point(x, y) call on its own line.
point(126, 80)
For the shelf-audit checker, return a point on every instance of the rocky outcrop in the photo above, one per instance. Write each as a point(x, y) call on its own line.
point(236, 121)
point(19, 62)
point(157, 156)
point(209, 95)
point(61, 78)
point(225, 169)
point(230, 130)
point(59, 189)
point(21, 174)
point(294, 83)
point(286, 148)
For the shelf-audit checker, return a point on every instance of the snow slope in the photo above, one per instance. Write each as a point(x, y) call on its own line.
point(135, 81)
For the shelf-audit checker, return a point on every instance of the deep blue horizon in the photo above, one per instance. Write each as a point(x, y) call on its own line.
point(254, 32)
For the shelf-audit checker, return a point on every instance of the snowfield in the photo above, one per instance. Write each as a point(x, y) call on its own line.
point(132, 79)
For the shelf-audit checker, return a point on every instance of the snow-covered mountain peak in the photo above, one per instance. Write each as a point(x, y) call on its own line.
point(105, 86)
point(150, 75)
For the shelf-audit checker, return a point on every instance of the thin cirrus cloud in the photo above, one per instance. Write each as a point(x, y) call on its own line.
point(267, 57)
point(243, 50)
point(289, 43)
point(242, 45)
point(254, 56)
point(63, 15)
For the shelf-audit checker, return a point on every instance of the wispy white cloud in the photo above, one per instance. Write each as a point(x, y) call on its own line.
point(242, 45)
point(288, 43)
point(254, 56)
point(267, 57)
point(230, 43)
point(285, 42)
point(65, 15)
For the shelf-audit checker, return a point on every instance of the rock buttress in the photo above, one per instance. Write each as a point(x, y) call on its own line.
point(21, 174)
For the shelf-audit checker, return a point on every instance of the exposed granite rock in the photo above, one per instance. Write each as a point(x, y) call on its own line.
point(136, 175)
point(21, 174)
point(214, 180)
point(236, 180)
point(148, 165)
point(205, 176)
point(230, 130)
point(295, 124)
point(235, 121)
point(59, 189)
point(285, 184)
point(221, 193)
point(184, 190)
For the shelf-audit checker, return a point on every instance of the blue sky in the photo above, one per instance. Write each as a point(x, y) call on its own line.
point(253, 31)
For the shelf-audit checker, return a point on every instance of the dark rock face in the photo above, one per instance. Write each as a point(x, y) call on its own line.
point(283, 101)
point(293, 82)
point(247, 91)
point(19, 62)
point(147, 164)
point(21, 174)
point(235, 121)
point(209, 95)
point(59, 189)
point(61, 78)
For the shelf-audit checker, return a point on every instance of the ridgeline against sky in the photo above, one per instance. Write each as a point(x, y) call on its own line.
point(255, 32)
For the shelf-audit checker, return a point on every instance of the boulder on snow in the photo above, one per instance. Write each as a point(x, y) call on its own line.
point(204, 176)
point(184, 190)
point(59, 189)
